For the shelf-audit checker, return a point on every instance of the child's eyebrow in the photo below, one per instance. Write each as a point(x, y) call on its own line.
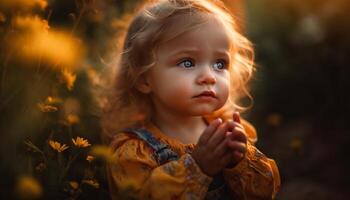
point(185, 51)
point(221, 53)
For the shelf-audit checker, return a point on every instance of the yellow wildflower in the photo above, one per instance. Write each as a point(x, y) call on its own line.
point(69, 78)
point(28, 188)
point(46, 108)
point(72, 119)
point(102, 151)
point(57, 146)
point(81, 142)
point(90, 158)
point(49, 99)
point(91, 182)
point(53, 100)
point(74, 184)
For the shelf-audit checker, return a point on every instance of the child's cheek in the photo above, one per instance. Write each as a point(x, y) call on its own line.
point(225, 86)
point(225, 92)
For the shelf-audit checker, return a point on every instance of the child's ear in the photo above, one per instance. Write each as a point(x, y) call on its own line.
point(143, 85)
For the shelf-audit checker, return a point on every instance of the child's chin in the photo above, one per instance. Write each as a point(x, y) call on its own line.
point(204, 111)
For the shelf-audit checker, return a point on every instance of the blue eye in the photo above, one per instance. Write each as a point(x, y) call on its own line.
point(187, 63)
point(220, 65)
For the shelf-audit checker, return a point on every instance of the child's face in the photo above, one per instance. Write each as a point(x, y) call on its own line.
point(191, 74)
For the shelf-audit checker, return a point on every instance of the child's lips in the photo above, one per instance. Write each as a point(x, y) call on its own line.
point(210, 94)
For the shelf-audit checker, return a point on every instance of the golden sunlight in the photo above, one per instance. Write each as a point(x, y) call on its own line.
point(72, 119)
point(36, 41)
point(28, 188)
point(30, 24)
point(26, 4)
point(103, 152)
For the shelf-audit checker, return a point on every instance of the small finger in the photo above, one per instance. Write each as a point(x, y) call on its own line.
point(237, 146)
point(232, 124)
point(239, 135)
point(236, 117)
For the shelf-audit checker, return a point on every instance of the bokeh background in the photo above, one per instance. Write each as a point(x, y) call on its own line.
point(55, 58)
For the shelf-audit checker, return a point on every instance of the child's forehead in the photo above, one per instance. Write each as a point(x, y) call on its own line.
point(207, 36)
point(182, 24)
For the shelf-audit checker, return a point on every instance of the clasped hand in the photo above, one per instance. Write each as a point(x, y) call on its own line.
point(221, 145)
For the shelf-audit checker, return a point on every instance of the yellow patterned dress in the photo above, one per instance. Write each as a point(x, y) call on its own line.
point(136, 174)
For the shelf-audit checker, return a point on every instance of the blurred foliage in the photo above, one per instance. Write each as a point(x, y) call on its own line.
point(301, 92)
point(52, 59)
point(301, 48)
point(55, 55)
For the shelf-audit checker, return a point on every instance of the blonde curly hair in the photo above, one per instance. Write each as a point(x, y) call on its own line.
point(157, 22)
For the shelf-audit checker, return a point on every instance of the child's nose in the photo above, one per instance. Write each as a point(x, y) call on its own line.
point(206, 76)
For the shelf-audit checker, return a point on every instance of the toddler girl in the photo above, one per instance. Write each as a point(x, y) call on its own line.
point(173, 121)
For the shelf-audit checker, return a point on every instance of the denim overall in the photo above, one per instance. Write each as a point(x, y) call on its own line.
point(217, 189)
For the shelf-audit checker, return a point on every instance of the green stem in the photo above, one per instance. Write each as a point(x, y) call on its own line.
point(70, 161)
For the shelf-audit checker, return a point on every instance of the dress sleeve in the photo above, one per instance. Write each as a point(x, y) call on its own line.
point(135, 174)
point(255, 177)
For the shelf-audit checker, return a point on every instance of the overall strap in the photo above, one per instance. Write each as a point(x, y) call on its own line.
point(217, 189)
point(162, 151)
